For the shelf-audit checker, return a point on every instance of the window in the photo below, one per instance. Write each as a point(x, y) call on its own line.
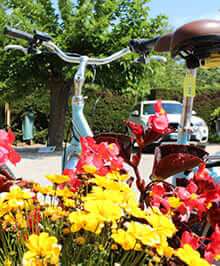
point(170, 108)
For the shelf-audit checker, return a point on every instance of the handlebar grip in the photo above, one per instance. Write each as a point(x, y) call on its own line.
point(213, 164)
point(18, 34)
point(142, 45)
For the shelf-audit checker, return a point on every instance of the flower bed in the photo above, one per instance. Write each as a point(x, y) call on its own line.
point(91, 216)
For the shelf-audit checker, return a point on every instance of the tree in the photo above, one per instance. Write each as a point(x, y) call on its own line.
point(92, 27)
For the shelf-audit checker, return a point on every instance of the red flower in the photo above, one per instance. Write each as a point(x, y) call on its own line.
point(159, 198)
point(137, 130)
point(159, 121)
point(33, 220)
point(191, 200)
point(187, 238)
point(124, 142)
point(6, 150)
point(214, 215)
point(213, 248)
point(203, 179)
point(74, 182)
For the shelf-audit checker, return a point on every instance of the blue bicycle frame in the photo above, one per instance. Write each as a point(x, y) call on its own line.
point(79, 122)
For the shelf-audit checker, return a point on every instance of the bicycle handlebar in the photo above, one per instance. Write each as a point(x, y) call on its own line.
point(142, 45)
point(18, 34)
point(40, 38)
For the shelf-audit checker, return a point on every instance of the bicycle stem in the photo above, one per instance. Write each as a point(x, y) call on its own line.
point(79, 78)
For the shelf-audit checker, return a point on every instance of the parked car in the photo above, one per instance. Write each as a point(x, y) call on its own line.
point(144, 109)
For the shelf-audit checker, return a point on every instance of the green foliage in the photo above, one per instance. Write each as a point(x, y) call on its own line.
point(94, 28)
point(37, 103)
point(109, 114)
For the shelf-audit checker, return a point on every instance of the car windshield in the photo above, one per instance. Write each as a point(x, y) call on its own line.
point(170, 108)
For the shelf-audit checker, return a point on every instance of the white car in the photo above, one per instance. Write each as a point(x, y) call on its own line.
point(144, 109)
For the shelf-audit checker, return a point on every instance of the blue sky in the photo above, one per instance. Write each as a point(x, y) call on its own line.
point(180, 12)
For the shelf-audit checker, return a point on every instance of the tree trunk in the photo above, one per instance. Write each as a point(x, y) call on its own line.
point(58, 103)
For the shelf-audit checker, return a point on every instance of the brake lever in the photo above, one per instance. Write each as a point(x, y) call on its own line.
point(21, 48)
point(16, 47)
point(145, 60)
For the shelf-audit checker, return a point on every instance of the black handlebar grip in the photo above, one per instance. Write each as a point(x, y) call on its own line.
point(18, 34)
point(212, 164)
point(142, 45)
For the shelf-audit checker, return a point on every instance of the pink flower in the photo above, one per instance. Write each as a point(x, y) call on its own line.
point(6, 150)
point(98, 158)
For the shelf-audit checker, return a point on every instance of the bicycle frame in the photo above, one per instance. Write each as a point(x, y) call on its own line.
point(79, 122)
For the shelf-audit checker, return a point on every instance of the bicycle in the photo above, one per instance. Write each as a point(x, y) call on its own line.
point(80, 126)
point(198, 44)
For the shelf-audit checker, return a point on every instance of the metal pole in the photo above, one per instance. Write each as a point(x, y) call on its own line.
point(189, 93)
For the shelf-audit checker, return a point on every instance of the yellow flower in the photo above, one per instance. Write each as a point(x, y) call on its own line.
point(190, 256)
point(126, 240)
point(17, 193)
point(87, 221)
point(106, 210)
point(174, 202)
point(21, 222)
point(41, 248)
point(80, 240)
point(89, 169)
point(146, 234)
point(69, 203)
point(101, 247)
point(3, 208)
point(114, 247)
point(15, 199)
point(217, 257)
point(162, 224)
point(156, 259)
point(44, 190)
point(58, 179)
point(66, 231)
point(138, 247)
point(65, 192)
point(133, 209)
point(9, 219)
point(77, 220)
point(98, 193)
point(7, 262)
point(115, 175)
point(55, 211)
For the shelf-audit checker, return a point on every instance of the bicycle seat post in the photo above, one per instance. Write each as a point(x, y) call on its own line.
point(189, 93)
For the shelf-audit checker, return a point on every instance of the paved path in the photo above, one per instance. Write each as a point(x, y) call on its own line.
point(35, 165)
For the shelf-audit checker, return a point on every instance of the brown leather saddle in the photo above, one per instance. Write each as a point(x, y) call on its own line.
point(194, 41)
